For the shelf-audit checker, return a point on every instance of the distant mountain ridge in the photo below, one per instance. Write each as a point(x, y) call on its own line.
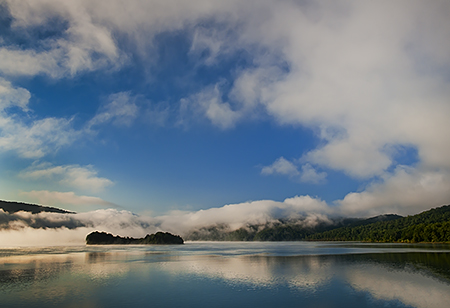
point(13, 207)
point(280, 230)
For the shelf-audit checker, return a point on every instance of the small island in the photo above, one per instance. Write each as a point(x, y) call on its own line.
point(159, 238)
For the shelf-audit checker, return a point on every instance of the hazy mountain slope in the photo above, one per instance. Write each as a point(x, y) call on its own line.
point(13, 207)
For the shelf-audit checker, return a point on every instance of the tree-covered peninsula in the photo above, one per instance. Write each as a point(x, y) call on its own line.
point(160, 238)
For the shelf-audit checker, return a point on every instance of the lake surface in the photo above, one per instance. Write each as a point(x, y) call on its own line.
point(227, 274)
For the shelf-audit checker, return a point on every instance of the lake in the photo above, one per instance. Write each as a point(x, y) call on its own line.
point(227, 274)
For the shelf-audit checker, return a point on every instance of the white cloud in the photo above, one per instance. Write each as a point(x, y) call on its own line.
point(284, 167)
point(209, 103)
point(350, 71)
point(10, 96)
point(56, 198)
point(210, 39)
point(281, 166)
point(85, 44)
point(252, 86)
point(21, 133)
point(89, 32)
point(29, 62)
point(121, 109)
point(309, 174)
point(406, 191)
point(72, 176)
point(39, 138)
point(253, 212)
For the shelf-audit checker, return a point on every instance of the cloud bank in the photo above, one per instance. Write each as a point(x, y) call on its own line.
point(57, 198)
point(311, 211)
point(73, 228)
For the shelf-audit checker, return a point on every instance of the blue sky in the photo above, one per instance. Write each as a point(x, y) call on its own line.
point(159, 107)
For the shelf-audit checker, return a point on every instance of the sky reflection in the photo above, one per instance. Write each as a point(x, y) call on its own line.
point(198, 275)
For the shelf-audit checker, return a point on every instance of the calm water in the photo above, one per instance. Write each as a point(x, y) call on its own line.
point(238, 274)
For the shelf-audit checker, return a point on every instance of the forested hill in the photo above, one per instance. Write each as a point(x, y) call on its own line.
point(13, 207)
point(429, 226)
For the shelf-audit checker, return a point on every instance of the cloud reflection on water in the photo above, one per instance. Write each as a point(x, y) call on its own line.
point(50, 279)
point(409, 287)
point(303, 272)
point(83, 275)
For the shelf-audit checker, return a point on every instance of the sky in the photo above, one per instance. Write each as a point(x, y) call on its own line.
point(227, 111)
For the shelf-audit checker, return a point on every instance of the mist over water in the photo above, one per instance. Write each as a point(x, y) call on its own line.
point(25, 228)
point(208, 274)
